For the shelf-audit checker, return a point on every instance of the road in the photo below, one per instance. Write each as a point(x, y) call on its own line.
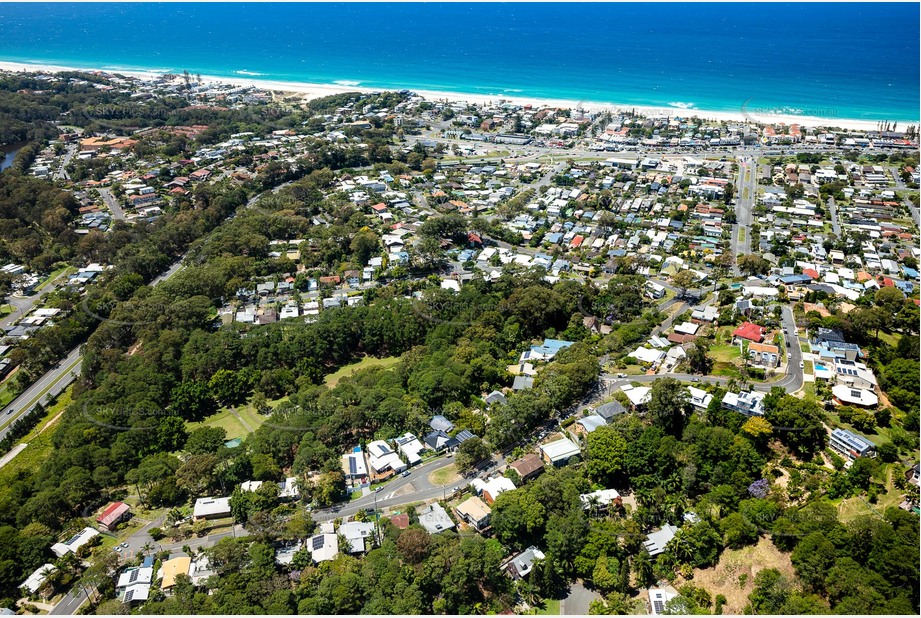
point(58, 378)
point(745, 203)
point(62, 174)
point(833, 213)
point(112, 204)
point(791, 382)
point(24, 304)
point(405, 490)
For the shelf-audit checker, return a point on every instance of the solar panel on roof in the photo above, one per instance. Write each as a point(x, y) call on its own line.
point(318, 542)
point(129, 595)
point(134, 575)
point(353, 467)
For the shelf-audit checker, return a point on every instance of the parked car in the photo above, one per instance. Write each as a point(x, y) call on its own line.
point(802, 365)
point(406, 473)
point(377, 489)
point(789, 356)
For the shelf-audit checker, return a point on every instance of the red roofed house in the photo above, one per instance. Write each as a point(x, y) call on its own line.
point(811, 272)
point(577, 241)
point(400, 521)
point(114, 514)
point(749, 331)
point(474, 240)
point(200, 174)
point(378, 207)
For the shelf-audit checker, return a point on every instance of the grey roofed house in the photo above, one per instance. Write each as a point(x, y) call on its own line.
point(609, 410)
point(495, 397)
point(440, 423)
point(657, 540)
point(523, 563)
point(591, 423)
point(522, 383)
point(438, 440)
point(435, 519)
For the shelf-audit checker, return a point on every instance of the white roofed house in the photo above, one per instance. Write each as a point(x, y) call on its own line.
point(383, 460)
point(410, 446)
point(559, 452)
point(434, 518)
point(325, 545)
point(748, 403)
point(600, 499)
point(36, 581)
point(699, 398)
point(356, 534)
point(657, 540)
point(638, 395)
point(75, 542)
point(211, 508)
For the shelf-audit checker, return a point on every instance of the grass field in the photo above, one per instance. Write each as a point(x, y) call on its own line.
point(31, 458)
point(230, 422)
point(804, 347)
point(725, 353)
point(365, 363)
point(445, 476)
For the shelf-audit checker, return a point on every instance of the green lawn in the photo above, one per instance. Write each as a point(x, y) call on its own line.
point(804, 347)
point(365, 363)
point(725, 353)
point(444, 476)
point(548, 607)
point(224, 419)
point(54, 275)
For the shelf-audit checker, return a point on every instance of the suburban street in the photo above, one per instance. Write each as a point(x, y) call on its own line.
point(112, 204)
point(24, 304)
point(833, 213)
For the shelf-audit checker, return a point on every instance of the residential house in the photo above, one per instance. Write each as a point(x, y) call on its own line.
point(851, 445)
point(588, 424)
point(475, 512)
point(325, 545)
point(700, 399)
point(748, 403)
point(522, 564)
point(75, 542)
point(211, 508)
point(659, 597)
point(134, 584)
point(353, 465)
point(749, 332)
point(440, 423)
point(356, 534)
point(638, 395)
point(764, 354)
point(491, 489)
point(438, 441)
point(528, 467)
point(171, 569)
point(609, 410)
point(36, 581)
point(113, 515)
point(383, 461)
point(844, 394)
point(559, 452)
point(602, 498)
point(411, 448)
point(657, 540)
point(434, 518)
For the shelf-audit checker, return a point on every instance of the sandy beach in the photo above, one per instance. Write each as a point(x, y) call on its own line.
point(314, 91)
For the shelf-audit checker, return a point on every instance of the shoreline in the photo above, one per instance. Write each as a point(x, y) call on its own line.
point(316, 90)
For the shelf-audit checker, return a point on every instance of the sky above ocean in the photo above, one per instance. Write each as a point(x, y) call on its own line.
point(855, 61)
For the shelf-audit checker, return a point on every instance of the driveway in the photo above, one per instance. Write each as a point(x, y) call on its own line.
point(578, 600)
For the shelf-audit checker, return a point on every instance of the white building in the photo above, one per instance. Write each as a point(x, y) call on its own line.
point(75, 542)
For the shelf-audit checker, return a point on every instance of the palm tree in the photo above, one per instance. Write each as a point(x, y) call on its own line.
point(642, 567)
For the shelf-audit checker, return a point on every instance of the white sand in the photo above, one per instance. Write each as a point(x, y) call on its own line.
point(315, 91)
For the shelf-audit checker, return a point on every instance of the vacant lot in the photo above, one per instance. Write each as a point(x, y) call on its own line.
point(445, 476)
point(735, 563)
point(365, 363)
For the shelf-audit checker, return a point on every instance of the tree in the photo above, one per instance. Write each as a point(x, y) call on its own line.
point(738, 531)
point(683, 280)
point(812, 559)
point(605, 455)
point(668, 401)
point(754, 264)
point(758, 431)
point(471, 452)
point(699, 361)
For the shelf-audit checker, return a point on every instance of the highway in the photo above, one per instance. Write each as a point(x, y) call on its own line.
point(745, 203)
point(58, 378)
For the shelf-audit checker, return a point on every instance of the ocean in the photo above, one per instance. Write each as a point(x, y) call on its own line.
point(848, 61)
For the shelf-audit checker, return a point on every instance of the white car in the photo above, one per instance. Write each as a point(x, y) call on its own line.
point(802, 365)
point(789, 356)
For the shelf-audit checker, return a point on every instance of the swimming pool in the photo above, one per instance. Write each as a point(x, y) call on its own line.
point(820, 367)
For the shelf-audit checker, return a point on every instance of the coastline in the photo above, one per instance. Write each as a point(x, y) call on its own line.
point(316, 90)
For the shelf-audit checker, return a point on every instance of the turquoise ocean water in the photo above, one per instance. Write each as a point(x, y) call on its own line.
point(854, 61)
